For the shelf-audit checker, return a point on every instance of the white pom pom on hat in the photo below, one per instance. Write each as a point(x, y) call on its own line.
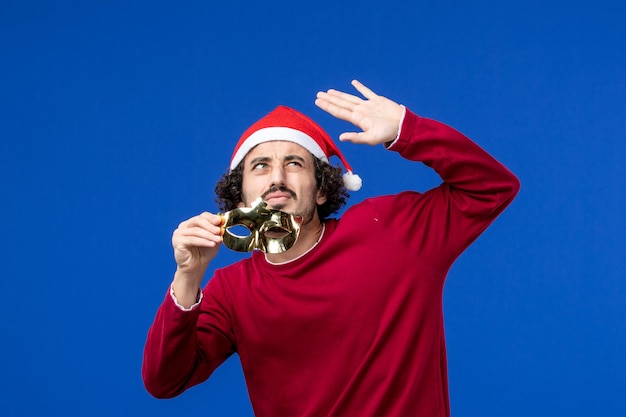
point(285, 123)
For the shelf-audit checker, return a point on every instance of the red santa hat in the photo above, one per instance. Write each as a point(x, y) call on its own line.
point(287, 124)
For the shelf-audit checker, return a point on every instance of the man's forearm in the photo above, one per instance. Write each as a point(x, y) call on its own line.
point(186, 288)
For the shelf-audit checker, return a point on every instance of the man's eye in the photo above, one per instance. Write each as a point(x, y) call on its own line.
point(294, 164)
point(260, 165)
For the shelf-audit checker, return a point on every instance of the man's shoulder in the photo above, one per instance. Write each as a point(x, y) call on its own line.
point(231, 279)
point(385, 209)
point(236, 267)
point(381, 201)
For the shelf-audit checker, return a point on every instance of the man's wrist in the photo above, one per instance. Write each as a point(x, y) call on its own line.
point(186, 289)
point(392, 142)
point(198, 299)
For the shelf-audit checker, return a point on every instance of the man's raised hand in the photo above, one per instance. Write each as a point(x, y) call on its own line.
point(377, 116)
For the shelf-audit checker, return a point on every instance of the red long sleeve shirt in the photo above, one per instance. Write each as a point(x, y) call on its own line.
point(355, 326)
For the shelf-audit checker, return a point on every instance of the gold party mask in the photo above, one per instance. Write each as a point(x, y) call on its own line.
point(271, 231)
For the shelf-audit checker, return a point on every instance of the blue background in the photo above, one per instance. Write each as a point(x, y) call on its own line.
point(118, 117)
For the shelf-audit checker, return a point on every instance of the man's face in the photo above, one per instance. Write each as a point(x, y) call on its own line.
point(283, 174)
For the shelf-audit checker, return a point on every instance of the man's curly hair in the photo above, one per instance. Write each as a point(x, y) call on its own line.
point(328, 178)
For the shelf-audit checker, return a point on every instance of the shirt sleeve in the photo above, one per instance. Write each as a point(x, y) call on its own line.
point(476, 188)
point(391, 143)
point(185, 346)
point(193, 306)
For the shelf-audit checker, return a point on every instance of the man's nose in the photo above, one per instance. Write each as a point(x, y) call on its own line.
point(277, 177)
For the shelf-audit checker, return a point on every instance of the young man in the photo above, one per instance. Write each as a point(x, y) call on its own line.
point(348, 321)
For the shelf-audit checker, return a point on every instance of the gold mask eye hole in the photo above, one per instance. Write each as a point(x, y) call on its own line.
point(238, 230)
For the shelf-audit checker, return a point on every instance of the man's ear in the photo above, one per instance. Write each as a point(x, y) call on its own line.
point(321, 198)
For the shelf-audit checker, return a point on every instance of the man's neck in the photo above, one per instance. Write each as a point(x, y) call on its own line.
point(310, 234)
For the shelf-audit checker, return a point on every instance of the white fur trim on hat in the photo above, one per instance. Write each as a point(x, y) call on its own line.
point(277, 133)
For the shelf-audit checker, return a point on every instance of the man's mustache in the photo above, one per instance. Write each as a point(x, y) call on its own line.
point(276, 189)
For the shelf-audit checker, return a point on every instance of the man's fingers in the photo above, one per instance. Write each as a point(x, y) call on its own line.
point(331, 107)
point(354, 137)
point(188, 242)
point(200, 232)
point(339, 99)
point(215, 219)
point(195, 237)
point(348, 100)
point(349, 137)
point(205, 220)
point(361, 88)
point(203, 230)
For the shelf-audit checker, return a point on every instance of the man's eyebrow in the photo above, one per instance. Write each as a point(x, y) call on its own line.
point(294, 158)
point(258, 160)
point(265, 159)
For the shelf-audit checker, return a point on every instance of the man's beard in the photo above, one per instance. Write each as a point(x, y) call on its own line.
point(306, 217)
point(276, 189)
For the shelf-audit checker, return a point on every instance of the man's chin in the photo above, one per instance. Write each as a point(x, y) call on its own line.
point(281, 207)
